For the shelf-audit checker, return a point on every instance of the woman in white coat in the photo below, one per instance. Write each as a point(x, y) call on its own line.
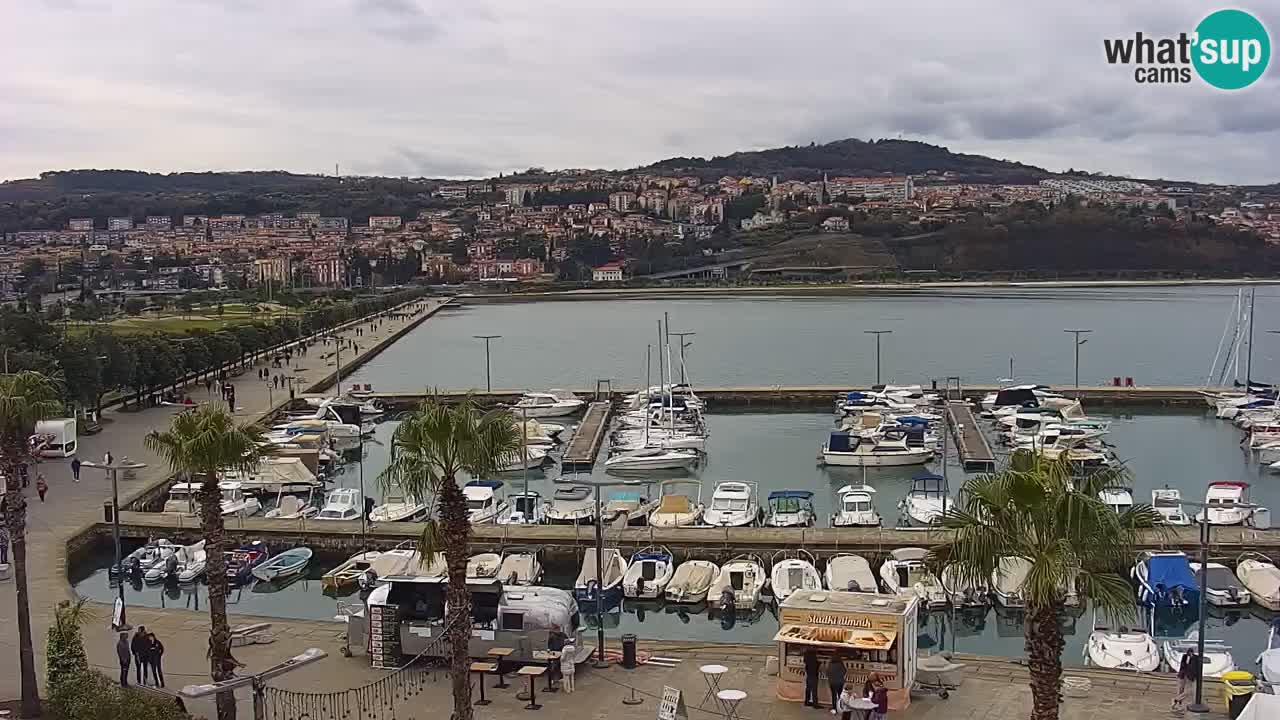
point(567, 667)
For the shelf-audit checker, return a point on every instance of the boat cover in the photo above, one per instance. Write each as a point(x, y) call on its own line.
point(1261, 707)
point(800, 494)
point(693, 577)
point(1170, 571)
point(1270, 662)
point(675, 505)
point(839, 442)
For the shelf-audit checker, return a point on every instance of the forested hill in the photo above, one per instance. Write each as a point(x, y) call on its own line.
point(860, 159)
point(84, 182)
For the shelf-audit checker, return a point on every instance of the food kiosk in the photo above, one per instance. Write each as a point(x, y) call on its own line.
point(870, 632)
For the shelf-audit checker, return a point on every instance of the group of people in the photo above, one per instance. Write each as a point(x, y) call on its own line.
point(146, 652)
point(842, 696)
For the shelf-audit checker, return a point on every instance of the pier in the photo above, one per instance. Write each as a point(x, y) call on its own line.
point(580, 454)
point(971, 445)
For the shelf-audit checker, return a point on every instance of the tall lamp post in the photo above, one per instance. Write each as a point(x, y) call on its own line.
point(1078, 343)
point(877, 333)
point(488, 383)
point(113, 468)
point(683, 345)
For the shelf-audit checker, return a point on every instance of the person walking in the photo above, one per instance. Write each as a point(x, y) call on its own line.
point(155, 656)
point(138, 645)
point(835, 679)
point(567, 666)
point(208, 385)
point(75, 469)
point(4, 544)
point(811, 678)
point(1188, 668)
point(42, 487)
point(122, 653)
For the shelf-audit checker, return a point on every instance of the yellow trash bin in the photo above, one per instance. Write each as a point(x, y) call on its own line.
point(1237, 688)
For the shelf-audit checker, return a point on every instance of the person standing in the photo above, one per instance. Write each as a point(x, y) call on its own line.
point(835, 679)
point(567, 666)
point(75, 469)
point(811, 678)
point(847, 697)
point(122, 653)
point(4, 544)
point(138, 645)
point(155, 655)
point(42, 487)
point(879, 696)
point(1188, 668)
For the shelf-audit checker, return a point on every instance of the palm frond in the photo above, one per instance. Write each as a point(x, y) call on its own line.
point(26, 398)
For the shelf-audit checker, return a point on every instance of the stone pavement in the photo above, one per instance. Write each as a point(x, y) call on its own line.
point(71, 506)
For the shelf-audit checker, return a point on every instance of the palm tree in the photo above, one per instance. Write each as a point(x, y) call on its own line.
point(1035, 510)
point(25, 398)
point(430, 449)
point(202, 443)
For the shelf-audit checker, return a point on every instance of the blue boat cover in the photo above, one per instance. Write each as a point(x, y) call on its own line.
point(779, 494)
point(926, 476)
point(839, 442)
point(854, 396)
point(913, 420)
point(492, 484)
point(1164, 574)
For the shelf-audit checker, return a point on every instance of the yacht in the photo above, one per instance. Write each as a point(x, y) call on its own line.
point(793, 570)
point(790, 508)
point(744, 577)
point(1227, 503)
point(528, 458)
point(651, 458)
point(571, 505)
point(341, 504)
point(851, 573)
point(849, 450)
point(631, 440)
point(904, 571)
point(520, 566)
point(590, 586)
point(1221, 586)
point(235, 502)
point(1261, 578)
point(1119, 499)
point(1164, 580)
point(648, 574)
point(1167, 502)
point(556, 403)
point(631, 507)
point(692, 581)
point(399, 507)
point(483, 503)
point(523, 508)
point(1007, 580)
point(1215, 661)
point(733, 504)
point(675, 509)
point(927, 501)
point(857, 507)
point(1123, 649)
point(962, 594)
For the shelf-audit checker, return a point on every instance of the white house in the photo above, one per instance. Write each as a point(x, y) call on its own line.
point(607, 273)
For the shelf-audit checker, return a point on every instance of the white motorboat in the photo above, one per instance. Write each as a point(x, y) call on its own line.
point(1007, 580)
point(572, 505)
point(1227, 503)
point(292, 507)
point(185, 564)
point(851, 573)
point(692, 581)
point(341, 504)
point(520, 566)
point(1261, 578)
point(1119, 499)
point(484, 566)
point(235, 502)
point(962, 594)
point(483, 503)
point(1167, 502)
point(153, 554)
point(1215, 661)
point(275, 475)
point(184, 499)
point(402, 561)
point(744, 577)
point(648, 574)
point(536, 433)
point(628, 507)
point(528, 458)
point(1165, 580)
point(651, 458)
point(1122, 649)
point(1221, 586)
point(192, 560)
point(590, 585)
point(633, 439)
point(399, 507)
point(927, 501)
point(287, 564)
point(733, 504)
point(793, 570)
point(790, 508)
point(556, 403)
point(676, 509)
point(888, 450)
point(904, 571)
point(1269, 660)
point(349, 572)
point(856, 507)
point(523, 508)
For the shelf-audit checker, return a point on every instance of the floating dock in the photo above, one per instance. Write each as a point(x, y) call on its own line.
point(971, 445)
point(583, 448)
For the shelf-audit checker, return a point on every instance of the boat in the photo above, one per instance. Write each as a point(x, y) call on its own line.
point(631, 507)
point(793, 570)
point(529, 458)
point(851, 573)
point(555, 403)
point(1119, 499)
point(857, 507)
point(403, 563)
point(483, 503)
point(237, 503)
point(648, 574)
point(925, 504)
point(904, 571)
point(341, 504)
point(1261, 578)
point(634, 439)
point(283, 566)
point(184, 565)
point(651, 458)
point(1007, 580)
point(1164, 580)
point(349, 572)
point(242, 560)
point(790, 508)
point(184, 499)
point(398, 507)
point(484, 566)
point(692, 581)
point(1122, 649)
point(733, 504)
point(274, 475)
point(1167, 502)
point(572, 504)
point(741, 583)
point(533, 432)
point(523, 508)
point(592, 586)
point(520, 566)
point(291, 507)
point(1269, 660)
point(1226, 503)
point(1221, 586)
point(138, 562)
point(1215, 661)
point(962, 594)
point(891, 449)
point(676, 510)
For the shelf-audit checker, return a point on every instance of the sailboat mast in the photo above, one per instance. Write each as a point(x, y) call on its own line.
point(1248, 363)
point(648, 359)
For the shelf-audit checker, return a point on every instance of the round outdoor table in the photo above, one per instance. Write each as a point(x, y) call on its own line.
point(711, 674)
point(864, 706)
point(730, 700)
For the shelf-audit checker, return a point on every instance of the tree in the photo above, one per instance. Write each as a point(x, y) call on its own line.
point(25, 398)
point(134, 306)
point(202, 443)
point(429, 450)
point(1035, 510)
point(65, 652)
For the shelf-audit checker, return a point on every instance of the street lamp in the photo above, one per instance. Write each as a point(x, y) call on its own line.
point(488, 384)
point(1078, 343)
point(683, 345)
point(877, 333)
point(111, 466)
point(257, 681)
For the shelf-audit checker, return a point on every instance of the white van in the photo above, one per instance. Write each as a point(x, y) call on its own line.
point(62, 437)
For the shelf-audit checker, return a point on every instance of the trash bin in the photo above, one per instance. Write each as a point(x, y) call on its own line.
point(629, 651)
point(1237, 688)
point(1262, 518)
point(108, 512)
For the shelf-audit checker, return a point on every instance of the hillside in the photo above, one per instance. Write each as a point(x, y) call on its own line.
point(51, 185)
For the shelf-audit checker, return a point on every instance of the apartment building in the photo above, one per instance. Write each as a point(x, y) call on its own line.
point(119, 223)
point(385, 222)
point(80, 224)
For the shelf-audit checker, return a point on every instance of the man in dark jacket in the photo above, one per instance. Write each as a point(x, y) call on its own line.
point(140, 645)
point(811, 678)
point(122, 652)
point(1188, 671)
point(835, 678)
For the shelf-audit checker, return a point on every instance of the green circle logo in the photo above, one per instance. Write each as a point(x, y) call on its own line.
point(1231, 49)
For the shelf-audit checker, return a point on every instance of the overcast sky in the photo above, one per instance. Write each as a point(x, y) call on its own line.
point(473, 87)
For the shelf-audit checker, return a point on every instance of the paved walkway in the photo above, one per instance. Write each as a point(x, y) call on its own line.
point(71, 506)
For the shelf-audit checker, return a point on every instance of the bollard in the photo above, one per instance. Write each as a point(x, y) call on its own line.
point(632, 700)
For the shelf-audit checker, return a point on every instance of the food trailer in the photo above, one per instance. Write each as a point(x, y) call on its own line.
point(871, 632)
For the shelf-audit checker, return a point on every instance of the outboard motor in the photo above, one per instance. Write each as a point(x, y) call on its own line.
point(1176, 597)
point(853, 586)
point(171, 568)
point(727, 600)
point(1233, 594)
point(368, 579)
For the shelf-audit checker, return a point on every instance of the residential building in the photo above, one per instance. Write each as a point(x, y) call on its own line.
point(517, 194)
point(159, 222)
point(120, 223)
point(80, 224)
point(611, 272)
point(621, 201)
point(386, 222)
point(272, 269)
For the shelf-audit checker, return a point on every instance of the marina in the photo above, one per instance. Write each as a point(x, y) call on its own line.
point(971, 445)
point(582, 449)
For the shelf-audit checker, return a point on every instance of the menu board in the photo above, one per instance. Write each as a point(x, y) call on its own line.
point(384, 636)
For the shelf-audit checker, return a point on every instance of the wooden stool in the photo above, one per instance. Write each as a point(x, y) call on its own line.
point(532, 672)
point(552, 659)
point(481, 668)
point(499, 654)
